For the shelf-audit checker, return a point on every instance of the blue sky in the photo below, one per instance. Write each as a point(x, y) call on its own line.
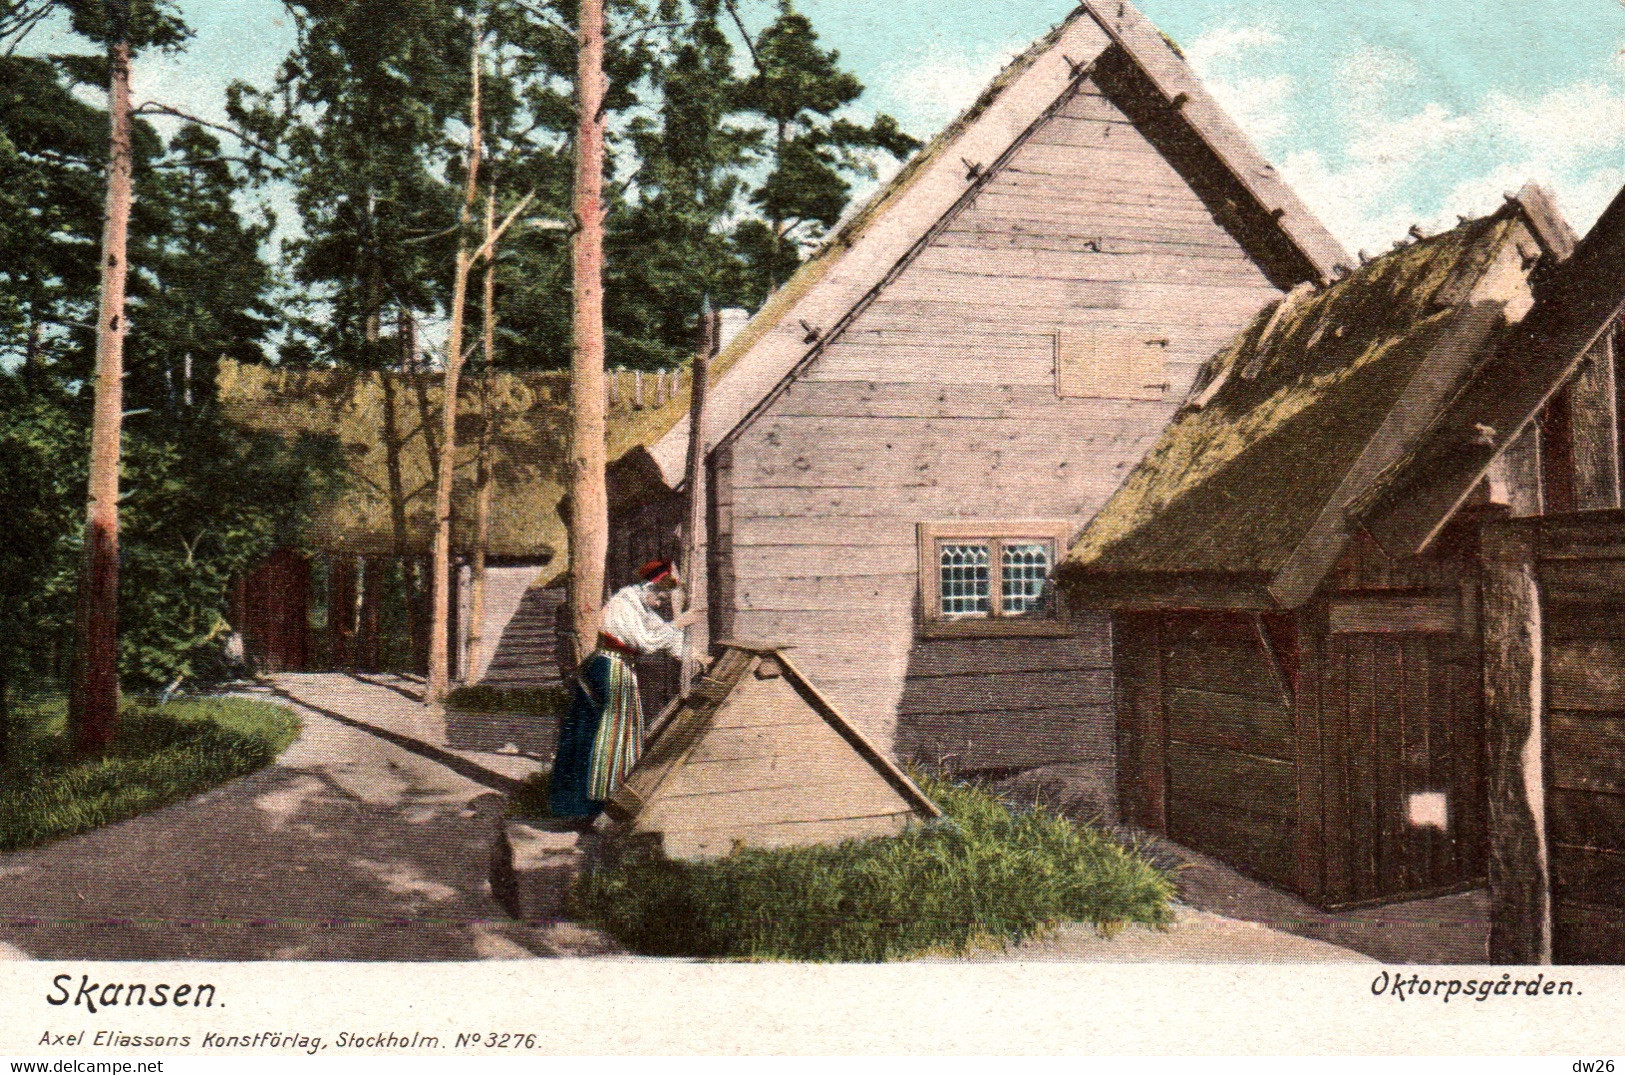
point(1383, 113)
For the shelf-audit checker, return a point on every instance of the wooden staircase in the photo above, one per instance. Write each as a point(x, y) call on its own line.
point(526, 653)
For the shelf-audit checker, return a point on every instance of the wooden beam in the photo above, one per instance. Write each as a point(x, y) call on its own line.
point(1583, 298)
point(1594, 429)
point(1430, 613)
point(1130, 591)
point(1519, 866)
point(1455, 347)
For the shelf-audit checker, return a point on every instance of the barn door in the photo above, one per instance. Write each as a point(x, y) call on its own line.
point(1401, 739)
point(1208, 756)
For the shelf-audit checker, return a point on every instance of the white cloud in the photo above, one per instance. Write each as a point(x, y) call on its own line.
point(1261, 104)
point(937, 86)
point(1229, 60)
point(1228, 43)
point(1568, 125)
point(1402, 161)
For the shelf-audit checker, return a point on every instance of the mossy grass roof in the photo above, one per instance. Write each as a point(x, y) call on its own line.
point(386, 426)
point(1239, 477)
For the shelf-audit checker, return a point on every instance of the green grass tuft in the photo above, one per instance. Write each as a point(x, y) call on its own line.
point(162, 754)
point(984, 876)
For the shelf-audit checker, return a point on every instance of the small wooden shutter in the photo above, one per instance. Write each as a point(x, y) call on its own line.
point(1109, 365)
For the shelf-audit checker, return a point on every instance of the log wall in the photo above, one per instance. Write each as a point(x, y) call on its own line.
point(1581, 570)
point(939, 402)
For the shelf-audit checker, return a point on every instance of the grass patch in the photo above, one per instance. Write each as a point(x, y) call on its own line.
point(984, 876)
point(162, 754)
point(539, 701)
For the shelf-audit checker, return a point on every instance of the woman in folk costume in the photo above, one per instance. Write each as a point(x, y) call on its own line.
point(602, 735)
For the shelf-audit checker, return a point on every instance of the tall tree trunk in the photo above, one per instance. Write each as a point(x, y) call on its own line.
point(440, 579)
point(482, 455)
point(31, 353)
point(693, 589)
point(589, 500)
point(94, 699)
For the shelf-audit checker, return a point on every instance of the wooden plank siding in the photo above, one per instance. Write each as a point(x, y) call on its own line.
point(1585, 743)
point(938, 402)
point(1231, 759)
point(1398, 716)
point(1555, 666)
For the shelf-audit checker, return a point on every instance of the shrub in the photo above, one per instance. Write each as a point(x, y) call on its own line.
point(162, 754)
point(985, 875)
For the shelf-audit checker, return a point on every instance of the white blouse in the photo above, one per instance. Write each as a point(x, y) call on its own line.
point(629, 617)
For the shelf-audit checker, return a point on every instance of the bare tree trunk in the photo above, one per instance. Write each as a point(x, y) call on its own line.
point(482, 456)
point(440, 578)
point(693, 591)
point(589, 500)
point(94, 700)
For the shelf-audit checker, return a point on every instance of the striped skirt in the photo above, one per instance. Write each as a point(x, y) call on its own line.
point(600, 737)
point(619, 742)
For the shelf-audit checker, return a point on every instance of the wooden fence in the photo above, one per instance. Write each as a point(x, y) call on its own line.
point(1554, 637)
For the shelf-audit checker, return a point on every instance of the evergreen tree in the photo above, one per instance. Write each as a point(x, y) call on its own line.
point(357, 116)
point(813, 148)
point(670, 248)
point(53, 147)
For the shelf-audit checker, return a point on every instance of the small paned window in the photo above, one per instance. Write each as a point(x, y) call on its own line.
point(965, 579)
point(990, 578)
point(1025, 572)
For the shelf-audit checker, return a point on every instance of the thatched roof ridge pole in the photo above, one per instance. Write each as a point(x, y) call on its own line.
point(589, 499)
point(440, 576)
point(94, 700)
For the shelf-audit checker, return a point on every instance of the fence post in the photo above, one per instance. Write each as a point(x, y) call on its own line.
point(1514, 709)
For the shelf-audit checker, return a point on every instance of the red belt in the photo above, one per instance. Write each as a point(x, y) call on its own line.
point(615, 645)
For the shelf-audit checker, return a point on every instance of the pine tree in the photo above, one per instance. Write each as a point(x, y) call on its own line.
point(813, 150)
point(123, 27)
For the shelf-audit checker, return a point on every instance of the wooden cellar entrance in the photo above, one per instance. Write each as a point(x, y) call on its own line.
point(1334, 752)
point(1554, 634)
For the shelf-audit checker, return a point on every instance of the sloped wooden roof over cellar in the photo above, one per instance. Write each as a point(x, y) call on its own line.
point(756, 757)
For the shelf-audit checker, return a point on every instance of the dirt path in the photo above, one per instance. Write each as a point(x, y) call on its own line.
point(1195, 937)
point(370, 839)
point(365, 841)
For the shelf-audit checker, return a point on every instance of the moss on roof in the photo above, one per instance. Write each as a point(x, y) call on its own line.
point(1234, 485)
point(378, 516)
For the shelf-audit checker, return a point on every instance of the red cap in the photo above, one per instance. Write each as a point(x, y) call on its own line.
point(656, 570)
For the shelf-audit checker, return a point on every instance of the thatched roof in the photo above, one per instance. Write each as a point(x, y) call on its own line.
point(384, 425)
point(1297, 418)
point(869, 246)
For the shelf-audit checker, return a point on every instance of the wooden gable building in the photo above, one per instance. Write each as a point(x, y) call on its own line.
point(915, 427)
point(1295, 569)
